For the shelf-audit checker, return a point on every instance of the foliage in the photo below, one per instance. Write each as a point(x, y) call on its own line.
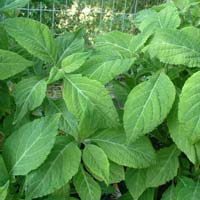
point(79, 122)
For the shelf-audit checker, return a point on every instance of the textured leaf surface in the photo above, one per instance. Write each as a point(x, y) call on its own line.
point(181, 137)
point(167, 18)
point(139, 154)
point(74, 62)
point(6, 5)
point(155, 175)
point(147, 105)
point(35, 37)
point(178, 47)
point(68, 123)
point(68, 44)
point(105, 69)
point(96, 161)
point(11, 64)
point(80, 93)
point(116, 173)
point(60, 166)
point(29, 94)
point(86, 186)
point(189, 107)
point(185, 189)
point(136, 182)
point(29, 146)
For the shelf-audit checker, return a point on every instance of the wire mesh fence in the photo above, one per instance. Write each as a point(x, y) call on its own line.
point(94, 15)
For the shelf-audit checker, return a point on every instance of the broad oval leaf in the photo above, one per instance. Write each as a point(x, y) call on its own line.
point(27, 148)
point(80, 94)
point(147, 105)
point(189, 107)
point(178, 47)
point(29, 94)
point(7, 5)
point(139, 154)
point(35, 37)
point(86, 186)
point(60, 166)
point(11, 64)
point(96, 161)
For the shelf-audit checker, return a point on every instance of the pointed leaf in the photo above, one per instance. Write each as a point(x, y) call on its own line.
point(29, 94)
point(60, 166)
point(28, 147)
point(86, 186)
point(12, 64)
point(35, 37)
point(147, 105)
point(80, 93)
point(96, 161)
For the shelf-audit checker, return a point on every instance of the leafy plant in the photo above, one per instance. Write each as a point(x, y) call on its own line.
point(88, 122)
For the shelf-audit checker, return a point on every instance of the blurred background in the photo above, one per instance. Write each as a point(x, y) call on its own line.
point(95, 16)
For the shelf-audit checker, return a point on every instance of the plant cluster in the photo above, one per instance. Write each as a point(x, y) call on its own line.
point(83, 123)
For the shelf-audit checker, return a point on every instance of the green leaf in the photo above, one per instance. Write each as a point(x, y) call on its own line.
point(116, 173)
point(139, 154)
point(4, 176)
point(3, 38)
point(148, 194)
point(12, 64)
point(73, 62)
point(181, 137)
point(68, 44)
point(29, 94)
point(104, 68)
point(35, 37)
point(7, 5)
point(5, 100)
point(188, 112)
point(177, 47)
point(86, 186)
point(135, 182)
point(4, 191)
point(27, 148)
point(167, 18)
point(61, 194)
point(55, 75)
point(96, 161)
point(68, 123)
point(164, 170)
point(185, 189)
point(80, 94)
point(60, 166)
point(147, 105)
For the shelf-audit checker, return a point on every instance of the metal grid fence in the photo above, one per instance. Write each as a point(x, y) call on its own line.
point(95, 15)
